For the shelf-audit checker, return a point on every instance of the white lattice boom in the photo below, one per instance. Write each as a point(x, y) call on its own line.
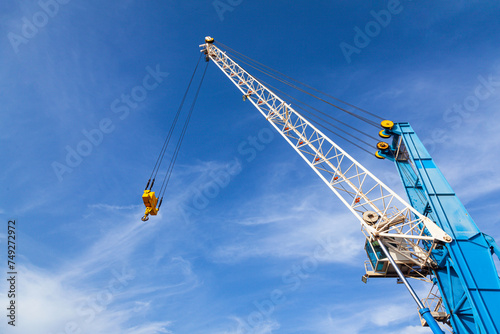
point(391, 218)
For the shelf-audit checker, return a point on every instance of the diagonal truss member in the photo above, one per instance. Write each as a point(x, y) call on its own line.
point(382, 213)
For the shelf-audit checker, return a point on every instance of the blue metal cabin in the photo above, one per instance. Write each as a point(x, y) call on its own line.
point(466, 275)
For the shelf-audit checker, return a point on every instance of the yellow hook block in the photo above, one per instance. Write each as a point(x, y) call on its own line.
point(150, 201)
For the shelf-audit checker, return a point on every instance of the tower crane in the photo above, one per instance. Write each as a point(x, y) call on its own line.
point(432, 237)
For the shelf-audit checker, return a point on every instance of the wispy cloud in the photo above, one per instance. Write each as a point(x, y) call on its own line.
point(292, 226)
point(101, 291)
point(374, 317)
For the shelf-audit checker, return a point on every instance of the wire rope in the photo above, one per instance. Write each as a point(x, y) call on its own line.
point(159, 160)
point(179, 142)
point(364, 119)
point(325, 114)
point(328, 129)
point(301, 83)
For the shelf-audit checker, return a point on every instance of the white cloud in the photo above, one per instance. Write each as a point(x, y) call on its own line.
point(267, 326)
point(153, 328)
point(101, 291)
point(49, 304)
point(472, 178)
point(412, 330)
point(375, 316)
point(292, 227)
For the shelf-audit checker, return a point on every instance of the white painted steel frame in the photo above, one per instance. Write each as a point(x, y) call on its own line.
point(403, 228)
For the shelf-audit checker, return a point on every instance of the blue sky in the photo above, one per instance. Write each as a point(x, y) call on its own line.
point(244, 255)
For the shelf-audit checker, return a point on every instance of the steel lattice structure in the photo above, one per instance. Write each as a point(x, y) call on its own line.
point(356, 187)
point(391, 225)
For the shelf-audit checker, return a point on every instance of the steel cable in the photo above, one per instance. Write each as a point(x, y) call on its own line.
point(179, 142)
point(301, 83)
point(364, 119)
point(159, 160)
point(325, 114)
point(324, 121)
